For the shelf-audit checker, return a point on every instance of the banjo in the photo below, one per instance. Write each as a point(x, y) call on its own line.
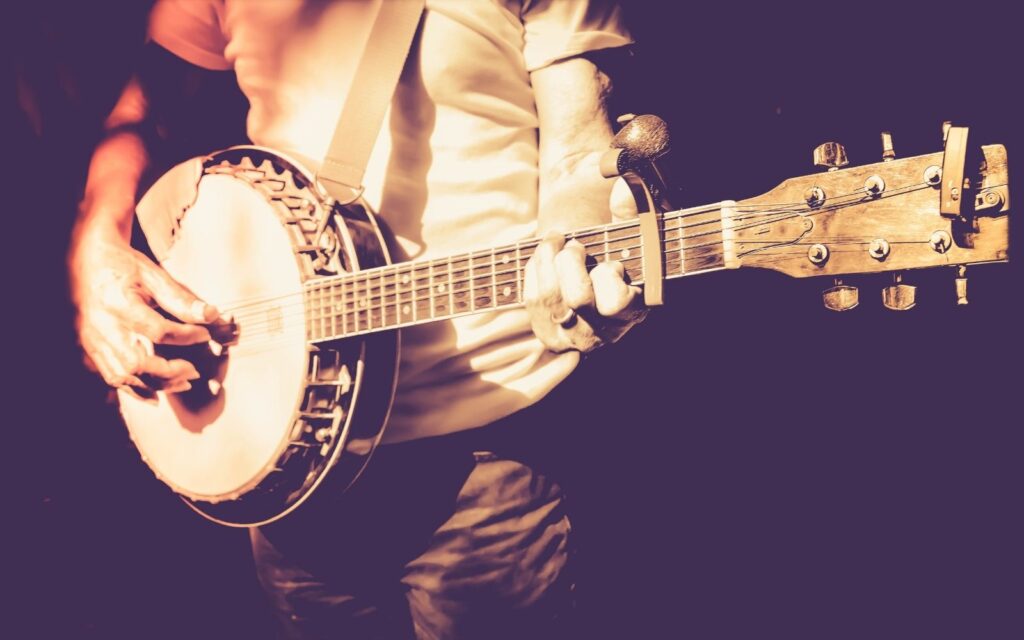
point(299, 396)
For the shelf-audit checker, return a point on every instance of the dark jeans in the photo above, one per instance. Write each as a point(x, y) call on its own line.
point(459, 536)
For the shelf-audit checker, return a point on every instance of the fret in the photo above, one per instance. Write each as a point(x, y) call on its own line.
point(438, 286)
point(461, 290)
point(681, 232)
point(421, 284)
point(481, 279)
point(341, 306)
point(333, 309)
point(451, 294)
point(622, 243)
point(372, 303)
point(519, 273)
point(702, 250)
point(506, 280)
point(406, 297)
point(383, 301)
point(469, 279)
point(359, 304)
point(494, 278)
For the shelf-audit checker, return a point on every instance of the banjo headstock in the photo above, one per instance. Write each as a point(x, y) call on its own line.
point(945, 209)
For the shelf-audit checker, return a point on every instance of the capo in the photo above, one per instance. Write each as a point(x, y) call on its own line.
point(638, 144)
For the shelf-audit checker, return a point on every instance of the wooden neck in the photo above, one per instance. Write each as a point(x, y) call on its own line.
point(695, 240)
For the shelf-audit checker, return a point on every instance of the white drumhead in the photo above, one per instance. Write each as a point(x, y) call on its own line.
point(231, 248)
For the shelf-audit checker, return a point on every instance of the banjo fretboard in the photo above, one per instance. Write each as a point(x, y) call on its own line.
point(410, 293)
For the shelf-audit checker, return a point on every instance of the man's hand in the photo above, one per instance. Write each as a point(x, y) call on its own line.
point(571, 308)
point(116, 289)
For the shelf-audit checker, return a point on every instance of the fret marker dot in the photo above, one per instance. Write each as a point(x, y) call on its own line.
point(406, 309)
point(624, 253)
point(405, 278)
point(507, 291)
point(440, 288)
point(338, 306)
point(505, 259)
point(362, 302)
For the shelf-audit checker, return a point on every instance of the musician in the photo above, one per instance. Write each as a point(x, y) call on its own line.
point(494, 135)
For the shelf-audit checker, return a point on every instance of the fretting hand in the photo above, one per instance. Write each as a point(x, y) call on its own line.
point(571, 308)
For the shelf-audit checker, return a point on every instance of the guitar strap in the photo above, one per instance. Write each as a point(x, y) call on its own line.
point(341, 172)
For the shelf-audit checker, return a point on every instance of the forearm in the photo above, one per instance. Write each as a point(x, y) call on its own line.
point(114, 174)
point(575, 195)
point(575, 130)
point(116, 168)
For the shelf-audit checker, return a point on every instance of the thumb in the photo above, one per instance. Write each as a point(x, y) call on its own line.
point(621, 202)
point(174, 297)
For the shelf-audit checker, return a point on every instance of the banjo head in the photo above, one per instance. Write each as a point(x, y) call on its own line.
point(272, 413)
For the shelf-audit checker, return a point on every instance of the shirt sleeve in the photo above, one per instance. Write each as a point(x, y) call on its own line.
point(560, 29)
point(192, 30)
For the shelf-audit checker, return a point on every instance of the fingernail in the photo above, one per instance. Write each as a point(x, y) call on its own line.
point(199, 310)
point(214, 386)
point(216, 348)
point(180, 387)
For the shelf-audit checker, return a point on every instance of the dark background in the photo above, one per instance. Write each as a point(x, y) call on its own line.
point(762, 468)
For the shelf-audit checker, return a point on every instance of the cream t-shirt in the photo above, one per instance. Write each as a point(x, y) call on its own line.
point(454, 167)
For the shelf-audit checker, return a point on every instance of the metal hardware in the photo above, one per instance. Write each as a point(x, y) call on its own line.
point(633, 154)
point(888, 153)
point(874, 186)
point(899, 296)
point(940, 241)
point(841, 297)
point(961, 285)
point(818, 254)
point(831, 155)
point(933, 175)
point(815, 196)
point(953, 160)
point(879, 249)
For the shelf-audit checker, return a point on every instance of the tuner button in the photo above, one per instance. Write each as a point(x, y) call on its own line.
point(831, 155)
point(961, 286)
point(899, 296)
point(817, 254)
point(841, 297)
point(888, 153)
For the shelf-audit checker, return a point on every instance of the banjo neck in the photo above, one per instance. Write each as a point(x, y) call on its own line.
point(417, 292)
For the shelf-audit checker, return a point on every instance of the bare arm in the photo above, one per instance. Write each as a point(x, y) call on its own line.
point(569, 307)
point(115, 288)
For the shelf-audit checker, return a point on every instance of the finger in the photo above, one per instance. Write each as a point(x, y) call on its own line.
point(582, 335)
point(144, 320)
point(110, 367)
point(612, 294)
point(621, 202)
point(174, 297)
point(542, 296)
point(575, 285)
point(111, 352)
point(548, 291)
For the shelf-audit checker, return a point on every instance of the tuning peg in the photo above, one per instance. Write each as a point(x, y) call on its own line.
point(888, 153)
point(899, 296)
point(841, 297)
point(961, 286)
point(831, 155)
